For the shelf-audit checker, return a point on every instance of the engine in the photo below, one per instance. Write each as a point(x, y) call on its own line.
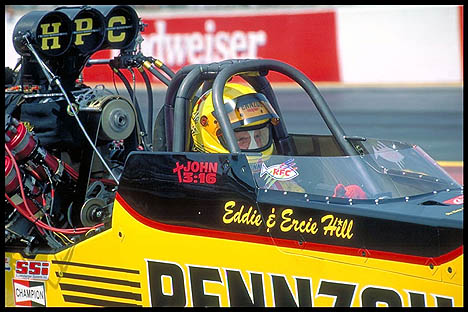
point(54, 183)
point(65, 142)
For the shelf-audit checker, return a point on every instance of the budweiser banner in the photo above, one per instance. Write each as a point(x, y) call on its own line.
point(304, 40)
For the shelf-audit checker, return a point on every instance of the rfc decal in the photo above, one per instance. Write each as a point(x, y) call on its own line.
point(248, 289)
point(7, 264)
point(196, 172)
point(286, 221)
point(455, 201)
point(29, 293)
point(281, 172)
point(35, 270)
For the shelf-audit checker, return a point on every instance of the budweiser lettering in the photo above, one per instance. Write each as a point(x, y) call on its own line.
point(178, 49)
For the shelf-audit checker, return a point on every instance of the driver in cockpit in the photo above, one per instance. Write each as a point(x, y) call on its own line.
point(252, 117)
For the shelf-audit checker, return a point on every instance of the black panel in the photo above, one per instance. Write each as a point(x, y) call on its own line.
point(167, 188)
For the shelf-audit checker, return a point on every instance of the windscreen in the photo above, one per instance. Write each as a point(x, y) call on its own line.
point(386, 169)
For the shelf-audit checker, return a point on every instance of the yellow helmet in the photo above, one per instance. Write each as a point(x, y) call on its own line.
point(250, 115)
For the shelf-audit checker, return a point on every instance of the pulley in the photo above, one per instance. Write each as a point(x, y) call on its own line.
point(93, 211)
point(117, 119)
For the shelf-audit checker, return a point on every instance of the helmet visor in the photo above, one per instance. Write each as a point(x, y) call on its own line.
point(251, 139)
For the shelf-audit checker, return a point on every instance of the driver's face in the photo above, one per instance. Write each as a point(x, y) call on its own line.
point(244, 138)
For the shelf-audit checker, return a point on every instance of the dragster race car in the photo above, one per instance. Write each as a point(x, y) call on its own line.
point(105, 210)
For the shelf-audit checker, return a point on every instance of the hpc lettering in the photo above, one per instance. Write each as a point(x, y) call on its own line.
point(54, 39)
point(110, 34)
point(82, 27)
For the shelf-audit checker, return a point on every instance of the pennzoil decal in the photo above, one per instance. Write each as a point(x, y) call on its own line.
point(29, 293)
point(31, 269)
point(196, 172)
point(172, 284)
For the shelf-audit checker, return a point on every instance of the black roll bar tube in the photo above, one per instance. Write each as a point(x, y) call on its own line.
point(169, 103)
point(187, 89)
point(207, 73)
point(187, 81)
point(291, 72)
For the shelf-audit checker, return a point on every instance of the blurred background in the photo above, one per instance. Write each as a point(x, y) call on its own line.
point(390, 72)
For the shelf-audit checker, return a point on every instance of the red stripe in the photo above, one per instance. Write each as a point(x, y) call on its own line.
point(384, 255)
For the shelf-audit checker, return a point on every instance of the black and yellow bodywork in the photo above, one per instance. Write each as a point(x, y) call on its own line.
point(231, 244)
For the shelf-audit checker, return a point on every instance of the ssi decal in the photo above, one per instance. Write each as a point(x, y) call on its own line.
point(29, 293)
point(29, 269)
point(168, 286)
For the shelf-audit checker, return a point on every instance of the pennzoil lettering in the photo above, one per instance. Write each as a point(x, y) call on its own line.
point(372, 296)
point(284, 293)
point(239, 294)
point(342, 293)
point(198, 276)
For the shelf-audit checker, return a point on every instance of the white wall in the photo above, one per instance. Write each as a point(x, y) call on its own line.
point(379, 44)
point(398, 44)
point(11, 57)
